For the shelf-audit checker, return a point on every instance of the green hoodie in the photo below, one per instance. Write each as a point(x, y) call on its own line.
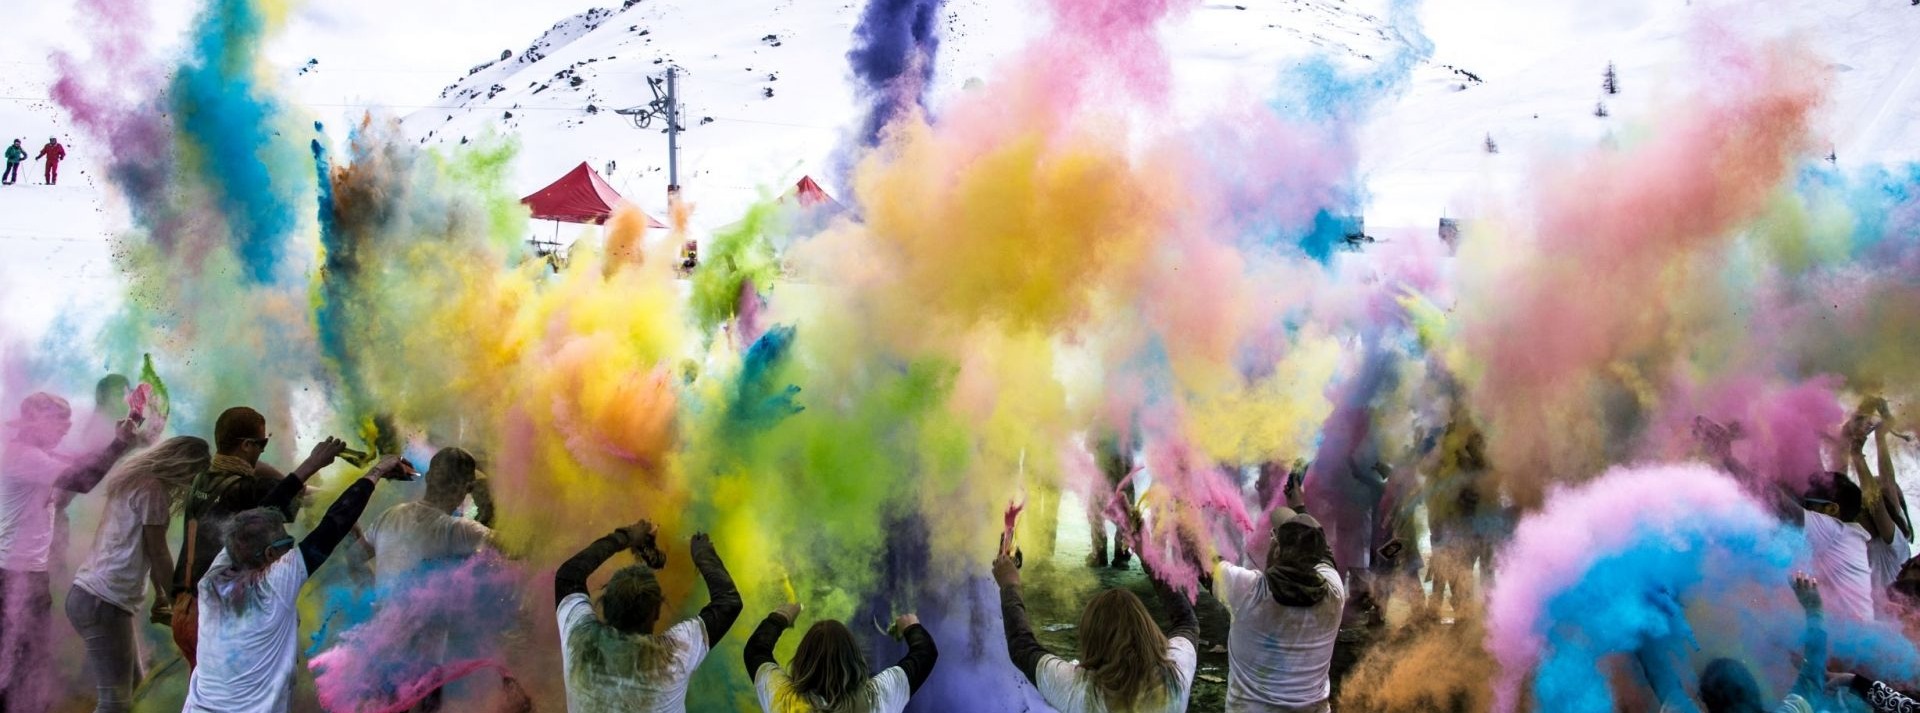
point(15, 154)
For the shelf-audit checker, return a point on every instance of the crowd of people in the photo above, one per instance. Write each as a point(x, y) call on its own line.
point(51, 154)
point(229, 591)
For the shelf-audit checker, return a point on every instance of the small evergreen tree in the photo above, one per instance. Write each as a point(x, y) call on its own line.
point(1600, 109)
point(1491, 146)
point(1612, 83)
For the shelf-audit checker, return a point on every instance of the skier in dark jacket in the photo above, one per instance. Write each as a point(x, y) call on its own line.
point(15, 154)
point(53, 152)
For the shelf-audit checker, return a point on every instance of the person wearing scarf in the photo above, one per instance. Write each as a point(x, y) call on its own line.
point(235, 482)
point(1286, 619)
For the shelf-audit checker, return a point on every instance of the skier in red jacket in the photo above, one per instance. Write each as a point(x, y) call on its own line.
point(53, 152)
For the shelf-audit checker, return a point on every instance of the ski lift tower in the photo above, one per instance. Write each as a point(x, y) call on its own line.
point(665, 106)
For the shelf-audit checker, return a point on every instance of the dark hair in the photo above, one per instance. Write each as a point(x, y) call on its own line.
point(1297, 551)
point(236, 425)
point(111, 388)
point(1726, 686)
point(631, 600)
point(827, 670)
point(1125, 654)
point(1840, 490)
point(450, 473)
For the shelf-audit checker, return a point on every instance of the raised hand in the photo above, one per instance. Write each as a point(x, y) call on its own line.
point(904, 622)
point(1005, 572)
point(1807, 590)
point(642, 540)
point(323, 454)
point(389, 468)
point(789, 611)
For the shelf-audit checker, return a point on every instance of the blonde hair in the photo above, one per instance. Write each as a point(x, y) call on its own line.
point(170, 466)
point(1124, 654)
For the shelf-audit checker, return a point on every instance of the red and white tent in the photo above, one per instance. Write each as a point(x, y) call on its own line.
point(581, 196)
point(810, 195)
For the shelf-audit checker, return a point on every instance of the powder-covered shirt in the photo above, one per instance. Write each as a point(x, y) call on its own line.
point(247, 653)
point(116, 570)
point(1278, 657)
point(1840, 563)
point(1064, 685)
point(27, 475)
point(411, 534)
point(1885, 559)
point(890, 691)
point(664, 691)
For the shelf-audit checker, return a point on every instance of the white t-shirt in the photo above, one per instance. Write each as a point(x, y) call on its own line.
point(247, 656)
point(116, 570)
point(1064, 686)
point(1840, 563)
point(890, 691)
point(409, 534)
point(665, 692)
point(1278, 656)
point(27, 494)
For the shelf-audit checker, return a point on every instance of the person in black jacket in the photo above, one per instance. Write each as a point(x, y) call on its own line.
point(1126, 664)
point(613, 660)
point(249, 622)
point(827, 673)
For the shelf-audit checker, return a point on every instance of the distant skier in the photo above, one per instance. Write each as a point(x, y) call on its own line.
point(15, 154)
point(53, 152)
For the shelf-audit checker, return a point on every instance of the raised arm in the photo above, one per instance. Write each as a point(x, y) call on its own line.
point(1896, 503)
point(483, 502)
point(921, 653)
point(723, 603)
point(82, 477)
point(319, 544)
point(759, 650)
point(1022, 646)
point(1873, 500)
point(1812, 681)
point(1185, 623)
point(572, 576)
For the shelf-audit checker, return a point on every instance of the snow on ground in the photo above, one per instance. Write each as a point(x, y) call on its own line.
point(1540, 66)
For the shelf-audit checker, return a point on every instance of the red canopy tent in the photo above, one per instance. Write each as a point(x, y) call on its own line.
point(810, 194)
point(581, 196)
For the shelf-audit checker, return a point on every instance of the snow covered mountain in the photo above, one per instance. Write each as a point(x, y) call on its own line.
point(767, 94)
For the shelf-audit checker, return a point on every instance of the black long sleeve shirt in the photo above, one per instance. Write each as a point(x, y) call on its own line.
point(918, 664)
point(724, 603)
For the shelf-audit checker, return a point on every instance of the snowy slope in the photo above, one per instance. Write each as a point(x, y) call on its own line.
point(1420, 155)
point(768, 96)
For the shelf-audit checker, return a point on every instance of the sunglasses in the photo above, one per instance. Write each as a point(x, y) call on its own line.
point(261, 440)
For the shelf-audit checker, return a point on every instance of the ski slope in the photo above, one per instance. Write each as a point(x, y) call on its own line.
point(1539, 67)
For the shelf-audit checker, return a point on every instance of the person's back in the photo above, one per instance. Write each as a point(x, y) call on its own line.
point(828, 674)
point(412, 534)
point(247, 643)
point(610, 670)
point(1278, 656)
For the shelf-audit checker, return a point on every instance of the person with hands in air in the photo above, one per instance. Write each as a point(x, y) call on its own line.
point(1728, 686)
point(1884, 506)
point(827, 673)
point(235, 482)
point(248, 619)
point(613, 660)
point(33, 477)
point(1127, 665)
point(1286, 619)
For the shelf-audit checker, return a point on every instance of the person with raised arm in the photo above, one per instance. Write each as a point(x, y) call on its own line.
point(827, 674)
point(33, 475)
point(1127, 665)
point(249, 624)
point(613, 660)
point(235, 481)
